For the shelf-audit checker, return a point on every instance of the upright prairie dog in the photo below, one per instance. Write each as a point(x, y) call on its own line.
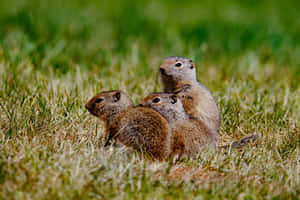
point(140, 128)
point(179, 76)
point(189, 135)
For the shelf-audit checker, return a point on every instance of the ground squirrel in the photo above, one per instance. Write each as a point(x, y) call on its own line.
point(189, 135)
point(140, 128)
point(179, 76)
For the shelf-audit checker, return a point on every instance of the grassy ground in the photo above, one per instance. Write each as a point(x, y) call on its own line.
point(55, 55)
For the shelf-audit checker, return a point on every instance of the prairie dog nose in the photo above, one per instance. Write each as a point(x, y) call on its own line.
point(89, 106)
point(163, 71)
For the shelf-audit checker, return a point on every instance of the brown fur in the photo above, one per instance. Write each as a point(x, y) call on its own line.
point(142, 129)
point(189, 135)
point(197, 100)
point(190, 138)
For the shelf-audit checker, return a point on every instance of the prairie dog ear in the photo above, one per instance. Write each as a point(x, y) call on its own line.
point(174, 99)
point(117, 96)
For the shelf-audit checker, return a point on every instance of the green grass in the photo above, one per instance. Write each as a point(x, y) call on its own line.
point(55, 55)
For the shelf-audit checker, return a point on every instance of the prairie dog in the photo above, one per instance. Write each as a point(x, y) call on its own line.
point(189, 135)
point(179, 76)
point(142, 129)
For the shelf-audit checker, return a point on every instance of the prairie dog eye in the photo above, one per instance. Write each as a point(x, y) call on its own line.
point(156, 100)
point(178, 64)
point(99, 100)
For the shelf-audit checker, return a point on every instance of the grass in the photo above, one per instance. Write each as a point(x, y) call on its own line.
point(55, 55)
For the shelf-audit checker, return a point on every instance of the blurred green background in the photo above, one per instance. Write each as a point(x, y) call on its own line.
point(62, 33)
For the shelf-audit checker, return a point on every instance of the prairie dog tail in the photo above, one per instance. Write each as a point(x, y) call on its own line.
point(242, 142)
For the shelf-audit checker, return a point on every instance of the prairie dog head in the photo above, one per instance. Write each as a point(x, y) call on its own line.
point(175, 69)
point(106, 104)
point(167, 104)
